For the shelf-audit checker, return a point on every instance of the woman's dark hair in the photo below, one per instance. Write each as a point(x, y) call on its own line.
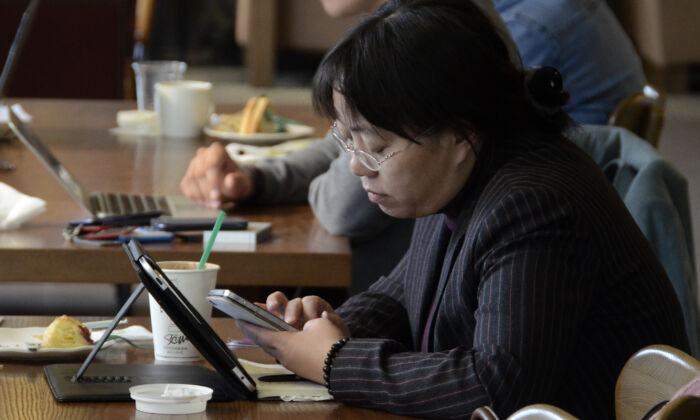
point(423, 66)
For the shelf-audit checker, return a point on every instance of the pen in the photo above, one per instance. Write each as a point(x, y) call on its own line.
point(285, 377)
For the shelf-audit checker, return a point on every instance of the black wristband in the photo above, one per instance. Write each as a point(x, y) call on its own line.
point(328, 362)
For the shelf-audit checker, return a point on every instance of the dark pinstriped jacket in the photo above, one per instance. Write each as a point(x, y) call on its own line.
point(545, 288)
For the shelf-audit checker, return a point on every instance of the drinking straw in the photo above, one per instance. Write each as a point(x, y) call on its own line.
point(212, 238)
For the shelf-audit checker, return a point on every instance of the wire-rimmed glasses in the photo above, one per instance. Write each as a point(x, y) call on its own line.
point(365, 158)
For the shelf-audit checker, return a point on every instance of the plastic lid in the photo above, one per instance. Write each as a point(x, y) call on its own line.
point(171, 398)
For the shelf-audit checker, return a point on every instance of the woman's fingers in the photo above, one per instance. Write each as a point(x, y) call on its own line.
point(276, 303)
point(313, 306)
point(261, 336)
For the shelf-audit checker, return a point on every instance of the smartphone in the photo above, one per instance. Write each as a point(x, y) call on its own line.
point(239, 308)
point(170, 224)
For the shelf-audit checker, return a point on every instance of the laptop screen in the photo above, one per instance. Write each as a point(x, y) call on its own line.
point(17, 44)
point(31, 140)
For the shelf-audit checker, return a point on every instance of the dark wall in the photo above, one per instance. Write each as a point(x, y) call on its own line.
point(75, 48)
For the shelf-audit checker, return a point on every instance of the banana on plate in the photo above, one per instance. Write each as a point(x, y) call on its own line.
point(256, 117)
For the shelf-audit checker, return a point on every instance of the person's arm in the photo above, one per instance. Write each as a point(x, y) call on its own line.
point(214, 178)
point(287, 179)
point(341, 204)
point(522, 338)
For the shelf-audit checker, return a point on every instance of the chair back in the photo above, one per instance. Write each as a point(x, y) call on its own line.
point(531, 412)
point(683, 408)
point(143, 25)
point(541, 412)
point(642, 113)
point(651, 375)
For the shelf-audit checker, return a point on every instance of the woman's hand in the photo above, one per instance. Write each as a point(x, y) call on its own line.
point(301, 352)
point(214, 178)
point(297, 312)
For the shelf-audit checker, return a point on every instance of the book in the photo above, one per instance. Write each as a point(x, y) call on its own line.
point(233, 240)
point(296, 390)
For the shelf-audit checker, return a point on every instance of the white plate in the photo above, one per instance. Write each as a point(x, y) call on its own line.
point(248, 155)
point(13, 345)
point(292, 131)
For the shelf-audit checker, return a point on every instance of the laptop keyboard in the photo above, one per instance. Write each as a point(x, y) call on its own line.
point(120, 203)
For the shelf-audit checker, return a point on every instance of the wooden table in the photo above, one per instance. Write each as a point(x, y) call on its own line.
point(300, 253)
point(24, 393)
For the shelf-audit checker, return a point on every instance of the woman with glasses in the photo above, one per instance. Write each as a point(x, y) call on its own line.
point(526, 280)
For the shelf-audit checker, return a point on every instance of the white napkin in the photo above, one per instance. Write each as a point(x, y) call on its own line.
point(21, 113)
point(16, 208)
point(136, 333)
point(136, 123)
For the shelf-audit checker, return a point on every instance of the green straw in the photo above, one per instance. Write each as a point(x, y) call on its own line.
point(212, 238)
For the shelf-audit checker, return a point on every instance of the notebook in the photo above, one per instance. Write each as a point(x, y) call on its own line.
point(231, 381)
point(104, 204)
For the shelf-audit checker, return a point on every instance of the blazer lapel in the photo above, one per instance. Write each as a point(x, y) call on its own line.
point(454, 247)
point(424, 272)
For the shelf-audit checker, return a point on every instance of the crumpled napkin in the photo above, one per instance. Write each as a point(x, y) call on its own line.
point(136, 123)
point(136, 333)
point(16, 208)
point(21, 113)
point(248, 154)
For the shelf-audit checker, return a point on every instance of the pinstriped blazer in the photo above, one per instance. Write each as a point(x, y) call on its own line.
point(544, 288)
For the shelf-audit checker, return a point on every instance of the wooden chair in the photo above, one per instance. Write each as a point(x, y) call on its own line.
point(650, 376)
point(642, 113)
point(142, 28)
point(683, 408)
point(531, 412)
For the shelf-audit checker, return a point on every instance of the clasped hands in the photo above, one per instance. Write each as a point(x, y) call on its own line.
point(302, 352)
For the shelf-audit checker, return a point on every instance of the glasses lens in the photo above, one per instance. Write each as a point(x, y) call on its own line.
point(367, 160)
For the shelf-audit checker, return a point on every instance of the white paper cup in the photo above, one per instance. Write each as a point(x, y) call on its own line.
point(169, 343)
point(183, 107)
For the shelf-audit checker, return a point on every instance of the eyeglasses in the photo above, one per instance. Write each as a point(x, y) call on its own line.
point(365, 158)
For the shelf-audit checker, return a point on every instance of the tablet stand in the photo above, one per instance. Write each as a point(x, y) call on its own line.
point(122, 311)
point(104, 382)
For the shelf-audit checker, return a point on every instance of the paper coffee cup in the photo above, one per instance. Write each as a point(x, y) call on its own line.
point(169, 343)
point(183, 107)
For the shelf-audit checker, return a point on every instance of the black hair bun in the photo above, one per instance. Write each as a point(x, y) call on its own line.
point(546, 87)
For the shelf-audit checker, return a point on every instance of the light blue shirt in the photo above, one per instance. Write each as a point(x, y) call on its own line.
point(586, 43)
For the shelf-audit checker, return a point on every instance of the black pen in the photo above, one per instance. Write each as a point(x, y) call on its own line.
point(136, 219)
point(285, 377)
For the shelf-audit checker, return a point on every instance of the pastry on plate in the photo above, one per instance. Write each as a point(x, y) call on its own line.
point(66, 332)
